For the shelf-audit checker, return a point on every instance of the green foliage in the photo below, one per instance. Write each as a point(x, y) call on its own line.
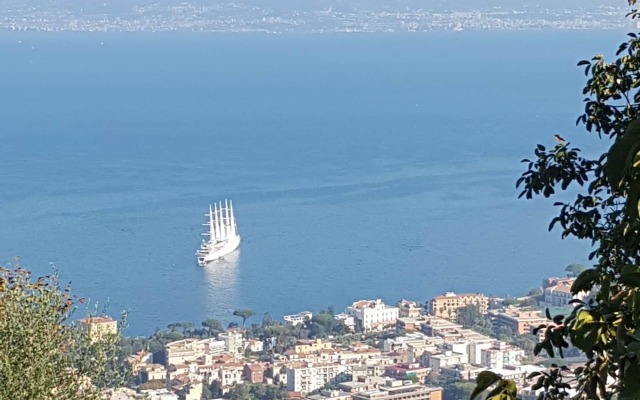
point(605, 212)
point(43, 354)
point(535, 292)
point(244, 314)
point(323, 324)
point(213, 326)
point(470, 317)
point(250, 391)
point(573, 270)
point(173, 336)
point(509, 301)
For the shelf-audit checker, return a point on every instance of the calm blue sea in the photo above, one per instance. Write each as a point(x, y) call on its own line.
point(361, 166)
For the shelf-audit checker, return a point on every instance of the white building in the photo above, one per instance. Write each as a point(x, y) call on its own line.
point(347, 319)
point(372, 315)
point(308, 377)
point(445, 360)
point(233, 341)
point(500, 355)
point(299, 318)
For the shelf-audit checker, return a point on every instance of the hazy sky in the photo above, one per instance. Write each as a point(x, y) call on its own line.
point(123, 5)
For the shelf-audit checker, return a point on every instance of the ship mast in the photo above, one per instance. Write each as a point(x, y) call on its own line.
point(212, 232)
point(227, 225)
point(217, 222)
point(234, 227)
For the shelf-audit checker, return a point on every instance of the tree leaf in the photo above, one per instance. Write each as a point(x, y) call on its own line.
point(584, 281)
point(483, 381)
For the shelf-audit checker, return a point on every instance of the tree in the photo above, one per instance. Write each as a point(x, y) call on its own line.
point(43, 354)
point(535, 292)
point(244, 314)
point(248, 391)
point(573, 270)
point(605, 211)
point(186, 327)
point(470, 317)
point(213, 326)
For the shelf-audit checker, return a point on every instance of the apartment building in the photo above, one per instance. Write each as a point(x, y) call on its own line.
point(462, 372)
point(311, 346)
point(230, 374)
point(448, 304)
point(404, 371)
point(98, 327)
point(409, 309)
point(184, 350)
point(500, 355)
point(233, 341)
point(446, 359)
point(373, 315)
point(518, 320)
point(399, 390)
point(330, 395)
point(307, 377)
point(254, 372)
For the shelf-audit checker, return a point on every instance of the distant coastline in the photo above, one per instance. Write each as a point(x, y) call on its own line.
point(237, 17)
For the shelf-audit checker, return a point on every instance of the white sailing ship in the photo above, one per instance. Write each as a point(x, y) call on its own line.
point(223, 233)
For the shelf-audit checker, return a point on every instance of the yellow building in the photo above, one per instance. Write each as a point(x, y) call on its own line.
point(447, 305)
point(311, 346)
point(99, 327)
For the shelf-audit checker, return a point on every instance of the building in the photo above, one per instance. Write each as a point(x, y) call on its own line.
point(307, 377)
point(519, 321)
point(152, 372)
point(330, 395)
point(373, 315)
point(446, 359)
point(254, 372)
point(299, 318)
point(500, 355)
point(462, 372)
point(447, 305)
point(98, 327)
point(230, 374)
point(347, 319)
point(254, 345)
point(404, 371)
point(409, 324)
point(233, 341)
point(311, 346)
point(363, 383)
point(185, 350)
point(434, 326)
point(409, 309)
point(559, 294)
point(399, 390)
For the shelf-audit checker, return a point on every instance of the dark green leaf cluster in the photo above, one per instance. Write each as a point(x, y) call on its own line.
point(249, 391)
point(43, 355)
point(605, 211)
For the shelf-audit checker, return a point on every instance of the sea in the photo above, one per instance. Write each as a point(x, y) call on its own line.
point(361, 166)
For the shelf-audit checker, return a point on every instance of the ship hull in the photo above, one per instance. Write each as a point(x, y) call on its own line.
point(217, 251)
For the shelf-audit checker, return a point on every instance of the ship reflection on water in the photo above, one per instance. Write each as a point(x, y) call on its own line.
point(221, 277)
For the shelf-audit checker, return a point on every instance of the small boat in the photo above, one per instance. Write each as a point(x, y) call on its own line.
point(223, 234)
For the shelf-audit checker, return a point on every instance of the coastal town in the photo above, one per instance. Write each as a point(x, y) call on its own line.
point(318, 17)
point(371, 351)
